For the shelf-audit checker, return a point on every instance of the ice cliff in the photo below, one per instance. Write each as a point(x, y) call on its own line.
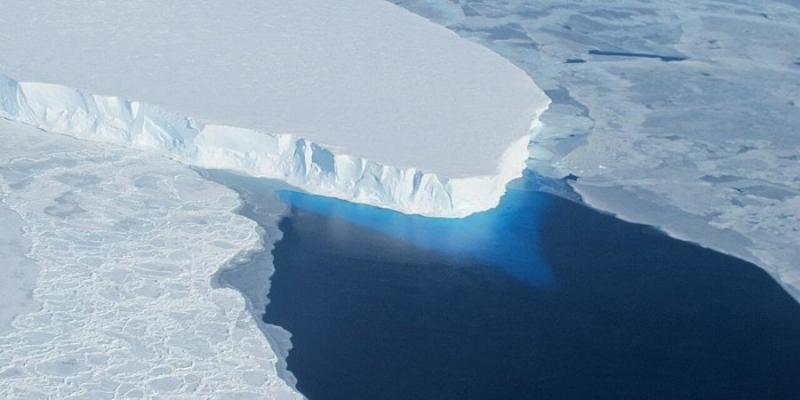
point(360, 100)
point(298, 161)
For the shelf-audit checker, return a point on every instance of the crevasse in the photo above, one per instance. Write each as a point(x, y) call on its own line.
point(309, 166)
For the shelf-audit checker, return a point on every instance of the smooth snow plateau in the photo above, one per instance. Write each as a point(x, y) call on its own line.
point(359, 100)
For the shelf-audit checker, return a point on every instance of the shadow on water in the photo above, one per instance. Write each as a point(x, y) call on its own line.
point(542, 298)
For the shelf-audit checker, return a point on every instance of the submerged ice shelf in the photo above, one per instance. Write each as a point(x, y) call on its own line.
point(359, 100)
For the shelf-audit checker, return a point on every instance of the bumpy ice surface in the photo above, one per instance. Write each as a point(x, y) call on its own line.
point(18, 273)
point(127, 244)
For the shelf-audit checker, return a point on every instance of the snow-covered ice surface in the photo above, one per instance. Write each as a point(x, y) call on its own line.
point(680, 114)
point(18, 273)
point(393, 110)
point(128, 244)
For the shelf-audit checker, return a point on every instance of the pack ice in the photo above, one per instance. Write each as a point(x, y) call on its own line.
point(680, 114)
point(124, 247)
point(359, 100)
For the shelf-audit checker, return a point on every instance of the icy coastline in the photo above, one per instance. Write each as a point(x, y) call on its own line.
point(295, 160)
point(360, 100)
point(251, 271)
point(128, 245)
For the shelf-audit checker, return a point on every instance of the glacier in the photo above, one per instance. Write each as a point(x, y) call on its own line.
point(361, 100)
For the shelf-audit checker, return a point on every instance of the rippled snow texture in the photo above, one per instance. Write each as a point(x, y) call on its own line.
point(127, 244)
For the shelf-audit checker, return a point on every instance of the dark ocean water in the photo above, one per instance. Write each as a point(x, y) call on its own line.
point(541, 298)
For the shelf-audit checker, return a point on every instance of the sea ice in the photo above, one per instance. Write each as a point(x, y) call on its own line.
point(680, 114)
point(128, 245)
point(17, 272)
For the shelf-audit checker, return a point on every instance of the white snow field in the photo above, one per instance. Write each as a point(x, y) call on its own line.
point(127, 244)
point(18, 273)
point(683, 114)
point(356, 99)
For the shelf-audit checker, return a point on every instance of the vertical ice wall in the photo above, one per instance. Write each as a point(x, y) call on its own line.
point(296, 160)
point(356, 99)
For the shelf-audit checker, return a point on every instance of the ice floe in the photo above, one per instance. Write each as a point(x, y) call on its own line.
point(679, 114)
point(128, 244)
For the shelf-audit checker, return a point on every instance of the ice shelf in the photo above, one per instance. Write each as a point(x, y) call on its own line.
point(359, 100)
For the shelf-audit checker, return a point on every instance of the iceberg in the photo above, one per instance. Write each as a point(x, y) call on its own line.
point(359, 100)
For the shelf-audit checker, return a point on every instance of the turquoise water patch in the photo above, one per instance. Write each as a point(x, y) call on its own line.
point(505, 238)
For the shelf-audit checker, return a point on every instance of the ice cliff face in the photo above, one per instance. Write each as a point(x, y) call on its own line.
point(360, 100)
point(300, 162)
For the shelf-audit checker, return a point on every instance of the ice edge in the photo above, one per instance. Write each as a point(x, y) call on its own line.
point(279, 338)
point(293, 159)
